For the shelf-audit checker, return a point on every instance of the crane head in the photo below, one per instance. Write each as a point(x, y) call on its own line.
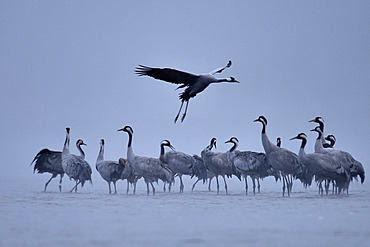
point(232, 79)
point(261, 119)
point(127, 129)
point(80, 142)
point(300, 136)
point(331, 138)
point(167, 143)
point(317, 120)
point(233, 140)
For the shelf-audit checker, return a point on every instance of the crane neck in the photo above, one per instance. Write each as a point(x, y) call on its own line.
point(82, 153)
point(163, 151)
point(129, 139)
point(233, 148)
point(66, 144)
point(101, 153)
point(303, 145)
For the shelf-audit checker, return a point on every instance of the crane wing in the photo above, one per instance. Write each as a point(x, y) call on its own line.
point(166, 74)
point(219, 70)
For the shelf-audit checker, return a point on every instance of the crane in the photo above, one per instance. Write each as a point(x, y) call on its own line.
point(322, 166)
point(179, 163)
point(281, 159)
point(248, 163)
point(110, 171)
point(75, 166)
point(218, 164)
point(151, 169)
point(51, 162)
point(194, 83)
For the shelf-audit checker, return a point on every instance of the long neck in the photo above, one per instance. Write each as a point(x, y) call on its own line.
point(130, 152)
point(101, 153)
point(82, 154)
point(233, 148)
point(301, 150)
point(162, 156)
point(66, 145)
point(319, 143)
point(267, 144)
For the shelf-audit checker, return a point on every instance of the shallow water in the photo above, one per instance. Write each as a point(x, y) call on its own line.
point(92, 217)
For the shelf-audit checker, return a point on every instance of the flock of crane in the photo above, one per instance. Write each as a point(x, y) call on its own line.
point(326, 164)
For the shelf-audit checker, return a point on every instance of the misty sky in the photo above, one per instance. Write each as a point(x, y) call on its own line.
point(71, 63)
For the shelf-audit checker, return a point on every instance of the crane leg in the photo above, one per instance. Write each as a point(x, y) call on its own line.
point(127, 187)
point(47, 183)
point(110, 191)
point(75, 187)
point(246, 185)
point(147, 188)
point(60, 182)
point(186, 109)
point(218, 185)
point(209, 184)
point(225, 184)
point(153, 188)
point(254, 185)
point(258, 185)
point(181, 185)
point(178, 114)
point(115, 188)
point(195, 184)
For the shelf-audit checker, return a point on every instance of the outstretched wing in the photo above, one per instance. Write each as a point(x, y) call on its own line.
point(166, 74)
point(219, 70)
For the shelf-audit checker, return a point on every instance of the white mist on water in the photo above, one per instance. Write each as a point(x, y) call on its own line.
point(92, 217)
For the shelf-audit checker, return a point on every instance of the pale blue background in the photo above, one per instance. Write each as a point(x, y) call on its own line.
point(71, 63)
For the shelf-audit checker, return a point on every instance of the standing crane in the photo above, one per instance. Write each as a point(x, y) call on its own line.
point(281, 159)
point(129, 174)
point(248, 163)
point(322, 166)
point(151, 169)
point(353, 166)
point(201, 172)
point(75, 166)
point(51, 162)
point(179, 163)
point(218, 164)
point(194, 83)
point(110, 171)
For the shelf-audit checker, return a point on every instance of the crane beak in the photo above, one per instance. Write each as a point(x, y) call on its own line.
point(313, 120)
point(313, 130)
point(120, 129)
point(172, 147)
point(293, 138)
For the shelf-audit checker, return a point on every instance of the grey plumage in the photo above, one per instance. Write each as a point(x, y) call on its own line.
point(200, 171)
point(50, 162)
point(248, 163)
point(322, 166)
point(194, 83)
point(179, 163)
point(110, 171)
point(151, 169)
point(75, 166)
point(353, 166)
point(218, 164)
point(281, 159)
point(129, 174)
